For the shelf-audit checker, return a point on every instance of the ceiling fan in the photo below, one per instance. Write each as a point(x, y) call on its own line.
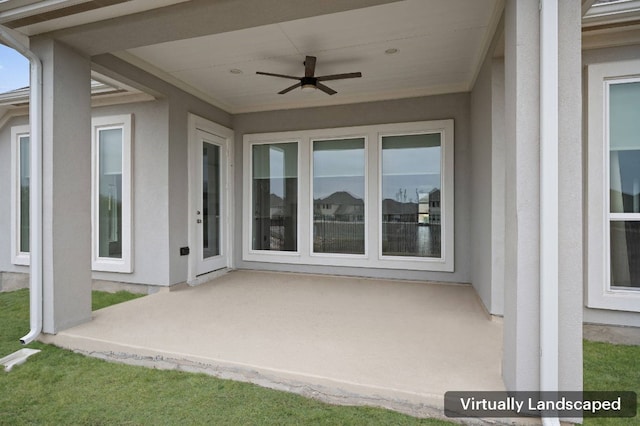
point(310, 81)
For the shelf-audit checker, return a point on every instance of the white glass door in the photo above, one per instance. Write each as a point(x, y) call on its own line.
point(210, 215)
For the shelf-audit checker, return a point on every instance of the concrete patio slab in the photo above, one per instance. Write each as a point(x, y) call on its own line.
point(395, 344)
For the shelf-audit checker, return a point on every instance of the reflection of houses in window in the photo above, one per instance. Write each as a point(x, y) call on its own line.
point(340, 206)
point(423, 208)
point(276, 207)
point(425, 212)
point(434, 207)
point(396, 211)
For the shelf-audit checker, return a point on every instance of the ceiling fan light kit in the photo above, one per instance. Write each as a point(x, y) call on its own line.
point(310, 82)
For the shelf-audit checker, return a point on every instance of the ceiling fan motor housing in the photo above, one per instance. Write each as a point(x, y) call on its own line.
point(309, 81)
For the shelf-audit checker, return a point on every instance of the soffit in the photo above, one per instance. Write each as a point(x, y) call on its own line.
point(440, 44)
point(33, 17)
point(611, 23)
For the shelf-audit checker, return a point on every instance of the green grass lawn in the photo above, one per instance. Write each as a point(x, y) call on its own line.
point(57, 386)
point(610, 367)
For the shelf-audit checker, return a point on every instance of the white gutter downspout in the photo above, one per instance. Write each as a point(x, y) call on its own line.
point(549, 199)
point(35, 183)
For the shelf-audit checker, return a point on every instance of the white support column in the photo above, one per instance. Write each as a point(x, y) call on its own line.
point(521, 362)
point(66, 191)
point(544, 235)
point(570, 199)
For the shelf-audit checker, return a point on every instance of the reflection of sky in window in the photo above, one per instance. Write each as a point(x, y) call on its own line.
point(624, 143)
point(276, 170)
point(276, 163)
point(345, 162)
point(624, 114)
point(410, 169)
point(24, 161)
point(336, 171)
point(338, 166)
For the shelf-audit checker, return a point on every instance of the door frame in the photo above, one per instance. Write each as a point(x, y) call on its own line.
point(196, 123)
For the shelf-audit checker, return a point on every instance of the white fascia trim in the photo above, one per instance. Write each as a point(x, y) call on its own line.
point(15, 96)
point(612, 12)
point(35, 8)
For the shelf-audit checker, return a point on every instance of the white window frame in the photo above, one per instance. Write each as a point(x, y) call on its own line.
point(17, 257)
point(125, 264)
point(247, 230)
point(445, 261)
point(600, 293)
point(373, 209)
point(366, 201)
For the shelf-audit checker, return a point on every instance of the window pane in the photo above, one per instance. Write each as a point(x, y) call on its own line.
point(625, 254)
point(338, 196)
point(210, 200)
point(624, 145)
point(411, 183)
point(24, 194)
point(275, 197)
point(110, 193)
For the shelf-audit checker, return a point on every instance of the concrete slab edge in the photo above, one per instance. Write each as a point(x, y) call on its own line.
point(332, 392)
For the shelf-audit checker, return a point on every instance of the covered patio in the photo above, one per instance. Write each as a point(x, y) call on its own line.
point(502, 74)
point(395, 344)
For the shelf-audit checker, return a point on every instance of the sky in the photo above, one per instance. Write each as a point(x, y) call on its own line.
point(14, 70)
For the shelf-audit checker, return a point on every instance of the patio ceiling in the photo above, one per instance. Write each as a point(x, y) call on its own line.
point(439, 43)
point(195, 44)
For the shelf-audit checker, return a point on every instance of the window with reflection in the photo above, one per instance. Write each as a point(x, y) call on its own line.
point(275, 197)
point(110, 193)
point(210, 200)
point(411, 192)
point(23, 207)
point(339, 196)
point(624, 183)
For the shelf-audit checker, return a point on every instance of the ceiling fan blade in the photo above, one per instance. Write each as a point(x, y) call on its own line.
point(278, 75)
point(288, 89)
point(325, 89)
point(309, 66)
point(340, 76)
